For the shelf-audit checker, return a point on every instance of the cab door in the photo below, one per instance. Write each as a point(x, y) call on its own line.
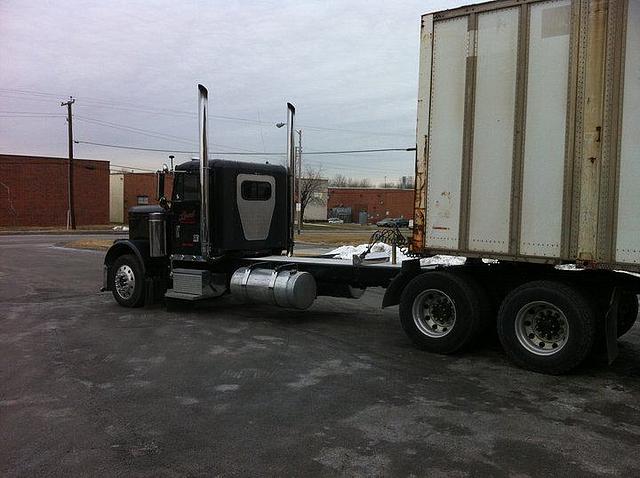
point(185, 230)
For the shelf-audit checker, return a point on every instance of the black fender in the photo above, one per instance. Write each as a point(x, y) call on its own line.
point(138, 248)
point(408, 271)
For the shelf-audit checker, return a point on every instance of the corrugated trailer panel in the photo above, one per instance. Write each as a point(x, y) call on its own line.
point(628, 227)
point(532, 125)
point(545, 129)
point(446, 133)
point(495, 87)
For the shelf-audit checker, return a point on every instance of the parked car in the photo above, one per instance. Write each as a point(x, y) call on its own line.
point(335, 220)
point(393, 222)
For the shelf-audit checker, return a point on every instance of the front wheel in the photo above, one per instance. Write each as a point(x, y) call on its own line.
point(127, 281)
point(547, 326)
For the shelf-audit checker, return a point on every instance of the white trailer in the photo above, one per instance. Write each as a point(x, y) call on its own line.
point(529, 132)
point(528, 153)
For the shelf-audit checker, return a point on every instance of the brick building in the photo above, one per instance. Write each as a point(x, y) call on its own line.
point(378, 203)
point(134, 189)
point(34, 191)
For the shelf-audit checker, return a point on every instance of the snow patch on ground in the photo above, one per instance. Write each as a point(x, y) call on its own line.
point(380, 249)
point(121, 228)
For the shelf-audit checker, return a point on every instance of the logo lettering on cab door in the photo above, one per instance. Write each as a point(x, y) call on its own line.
point(187, 217)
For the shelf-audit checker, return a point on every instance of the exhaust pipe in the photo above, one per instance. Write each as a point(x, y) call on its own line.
point(291, 176)
point(203, 106)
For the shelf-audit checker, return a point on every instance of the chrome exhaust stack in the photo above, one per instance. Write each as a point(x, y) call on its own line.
point(203, 106)
point(291, 173)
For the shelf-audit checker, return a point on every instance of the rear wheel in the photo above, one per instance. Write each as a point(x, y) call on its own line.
point(442, 312)
point(547, 326)
point(127, 281)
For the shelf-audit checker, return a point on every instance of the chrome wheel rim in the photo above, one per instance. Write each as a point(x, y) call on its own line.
point(434, 313)
point(542, 328)
point(125, 281)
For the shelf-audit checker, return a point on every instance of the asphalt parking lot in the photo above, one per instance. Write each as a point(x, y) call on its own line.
point(88, 388)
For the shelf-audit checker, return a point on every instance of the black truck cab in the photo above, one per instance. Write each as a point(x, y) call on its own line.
point(248, 217)
point(247, 214)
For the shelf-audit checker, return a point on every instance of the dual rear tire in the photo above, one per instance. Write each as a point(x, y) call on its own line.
point(543, 326)
point(547, 326)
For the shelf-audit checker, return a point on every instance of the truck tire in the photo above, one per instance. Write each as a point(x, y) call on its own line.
point(127, 281)
point(546, 326)
point(628, 312)
point(442, 312)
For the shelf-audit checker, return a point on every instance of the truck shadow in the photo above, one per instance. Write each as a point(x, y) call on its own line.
point(364, 325)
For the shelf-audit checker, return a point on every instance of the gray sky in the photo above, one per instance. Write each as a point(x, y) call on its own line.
point(349, 66)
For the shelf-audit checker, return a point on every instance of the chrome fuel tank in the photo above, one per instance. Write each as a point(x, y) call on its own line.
point(287, 288)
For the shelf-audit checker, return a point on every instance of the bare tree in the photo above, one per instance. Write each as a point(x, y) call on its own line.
point(359, 183)
point(339, 181)
point(405, 182)
point(312, 184)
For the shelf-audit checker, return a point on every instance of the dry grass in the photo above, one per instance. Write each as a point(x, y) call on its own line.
point(324, 226)
point(334, 238)
point(309, 237)
point(94, 244)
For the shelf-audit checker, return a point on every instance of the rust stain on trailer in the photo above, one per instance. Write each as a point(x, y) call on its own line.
point(593, 116)
point(419, 200)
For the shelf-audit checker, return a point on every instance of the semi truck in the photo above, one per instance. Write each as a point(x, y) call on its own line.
point(527, 165)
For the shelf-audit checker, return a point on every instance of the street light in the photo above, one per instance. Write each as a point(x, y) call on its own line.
point(299, 204)
point(299, 131)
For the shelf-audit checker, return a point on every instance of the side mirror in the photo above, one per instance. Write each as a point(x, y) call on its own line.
point(160, 184)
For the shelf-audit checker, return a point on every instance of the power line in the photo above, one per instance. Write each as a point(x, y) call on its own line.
point(352, 151)
point(31, 116)
point(77, 141)
point(29, 113)
point(128, 106)
point(132, 129)
point(169, 150)
point(252, 153)
point(146, 132)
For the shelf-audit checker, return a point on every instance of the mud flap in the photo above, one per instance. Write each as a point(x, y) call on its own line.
point(611, 325)
point(408, 271)
point(149, 296)
point(105, 278)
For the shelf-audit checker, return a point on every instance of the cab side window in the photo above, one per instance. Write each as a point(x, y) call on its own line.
point(186, 187)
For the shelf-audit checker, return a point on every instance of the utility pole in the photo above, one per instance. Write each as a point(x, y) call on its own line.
point(299, 179)
point(71, 216)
